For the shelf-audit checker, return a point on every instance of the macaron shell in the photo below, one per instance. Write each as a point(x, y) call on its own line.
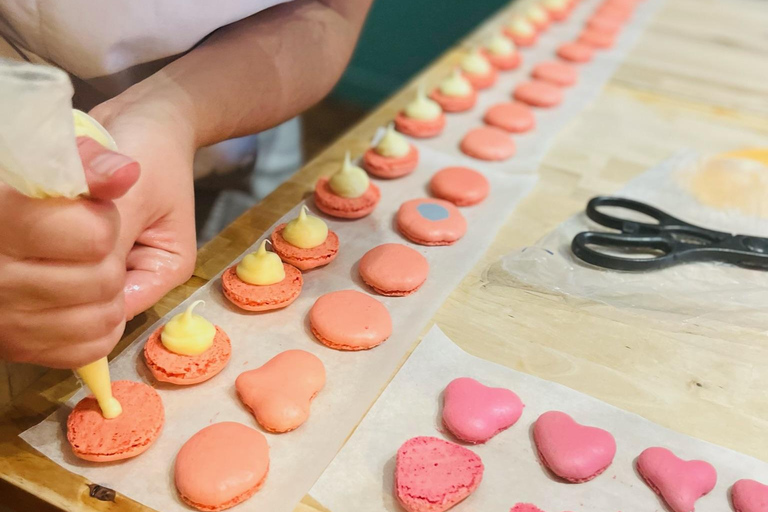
point(251, 297)
point(419, 128)
point(504, 62)
point(597, 39)
point(222, 465)
point(679, 482)
point(97, 439)
point(461, 186)
point(602, 23)
point(280, 392)
point(442, 224)
point(350, 320)
point(390, 167)
point(393, 270)
point(522, 41)
point(513, 117)
point(345, 207)
point(305, 259)
point(556, 72)
point(538, 93)
point(167, 366)
point(575, 52)
point(483, 81)
point(488, 143)
point(454, 103)
point(749, 496)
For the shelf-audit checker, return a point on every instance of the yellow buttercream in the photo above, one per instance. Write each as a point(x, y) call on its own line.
point(456, 85)
point(96, 377)
point(756, 154)
point(87, 126)
point(392, 144)
point(520, 26)
point(556, 4)
point(476, 64)
point(537, 14)
point(261, 267)
point(188, 334)
point(422, 107)
point(305, 231)
point(500, 45)
point(350, 181)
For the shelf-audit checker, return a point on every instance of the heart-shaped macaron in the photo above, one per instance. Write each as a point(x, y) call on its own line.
point(432, 475)
point(572, 451)
point(474, 413)
point(679, 482)
point(749, 496)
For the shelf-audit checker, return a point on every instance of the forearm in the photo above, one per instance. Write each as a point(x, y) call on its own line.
point(256, 73)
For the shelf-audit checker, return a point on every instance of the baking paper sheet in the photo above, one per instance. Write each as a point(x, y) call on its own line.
point(700, 291)
point(354, 379)
point(361, 477)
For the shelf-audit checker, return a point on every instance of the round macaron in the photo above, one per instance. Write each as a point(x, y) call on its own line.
point(305, 259)
point(597, 39)
point(431, 222)
point(538, 93)
point(609, 10)
point(488, 143)
point(350, 320)
point(460, 185)
point(345, 207)
point(251, 297)
point(504, 62)
point(98, 439)
point(222, 465)
point(575, 52)
point(556, 72)
point(167, 366)
point(394, 270)
point(602, 23)
point(390, 167)
point(419, 128)
point(482, 81)
point(514, 117)
point(454, 103)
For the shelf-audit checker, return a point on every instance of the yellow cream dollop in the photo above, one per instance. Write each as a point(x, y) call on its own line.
point(188, 334)
point(86, 126)
point(305, 231)
point(476, 64)
point(423, 108)
point(456, 85)
point(500, 45)
point(261, 267)
point(556, 4)
point(350, 181)
point(392, 144)
point(756, 154)
point(537, 14)
point(96, 377)
point(520, 26)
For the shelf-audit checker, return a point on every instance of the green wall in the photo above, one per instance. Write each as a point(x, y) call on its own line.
point(401, 37)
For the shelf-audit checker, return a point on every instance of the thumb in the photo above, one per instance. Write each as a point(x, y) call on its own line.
point(109, 174)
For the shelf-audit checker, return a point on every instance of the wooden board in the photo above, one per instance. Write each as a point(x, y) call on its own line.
point(699, 78)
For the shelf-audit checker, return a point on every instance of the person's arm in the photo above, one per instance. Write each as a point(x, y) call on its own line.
point(253, 74)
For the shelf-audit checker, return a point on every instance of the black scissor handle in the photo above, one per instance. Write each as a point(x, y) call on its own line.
point(627, 225)
point(661, 250)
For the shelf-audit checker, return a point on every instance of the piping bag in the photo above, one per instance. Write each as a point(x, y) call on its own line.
point(39, 158)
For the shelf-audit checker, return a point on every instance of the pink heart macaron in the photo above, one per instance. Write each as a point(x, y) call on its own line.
point(574, 452)
point(432, 475)
point(749, 496)
point(474, 413)
point(679, 482)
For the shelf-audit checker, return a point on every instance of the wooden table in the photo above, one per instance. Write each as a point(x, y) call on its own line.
point(698, 78)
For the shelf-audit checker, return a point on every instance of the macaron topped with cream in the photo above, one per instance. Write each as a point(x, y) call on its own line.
point(392, 157)
point(558, 9)
point(348, 193)
point(502, 52)
point(305, 242)
point(521, 31)
point(261, 281)
point(478, 69)
point(537, 15)
point(188, 349)
point(422, 118)
point(455, 93)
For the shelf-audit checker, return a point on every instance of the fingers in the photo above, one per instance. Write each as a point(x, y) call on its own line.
point(109, 174)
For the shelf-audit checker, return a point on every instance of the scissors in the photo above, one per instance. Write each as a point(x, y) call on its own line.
point(667, 242)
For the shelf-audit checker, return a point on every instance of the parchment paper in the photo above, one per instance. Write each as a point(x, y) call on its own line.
point(361, 476)
point(354, 379)
point(700, 291)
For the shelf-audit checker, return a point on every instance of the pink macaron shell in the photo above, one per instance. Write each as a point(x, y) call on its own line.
point(419, 128)
point(538, 93)
point(488, 143)
point(556, 72)
point(749, 496)
point(575, 52)
point(334, 205)
point(350, 320)
point(618, 13)
point(474, 413)
point(679, 482)
point(305, 259)
point(602, 23)
point(483, 81)
point(431, 222)
point(513, 117)
point(454, 103)
point(388, 167)
point(522, 41)
point(504, 62)
point(183, 370)
point(460, 185)
point(597, 39)
point(394, 270)
point(251, 297)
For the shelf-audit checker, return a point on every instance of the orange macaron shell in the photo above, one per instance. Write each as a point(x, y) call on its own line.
point(350, 320)
point(504, 62)
point(388, 167)
point(345, 207)
point(393, 270)
point(538, 93)
point(420, 128)
point(252, 297)
point(460, 185)
point(483, 81)
point(167, 366)
point(556, 72)
point(305, 259)
point(97, 439)
point(575, 52)
point(431, 222)
point(522, 41)
point(514, 117)
point(488, 143)
point(454, 103)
